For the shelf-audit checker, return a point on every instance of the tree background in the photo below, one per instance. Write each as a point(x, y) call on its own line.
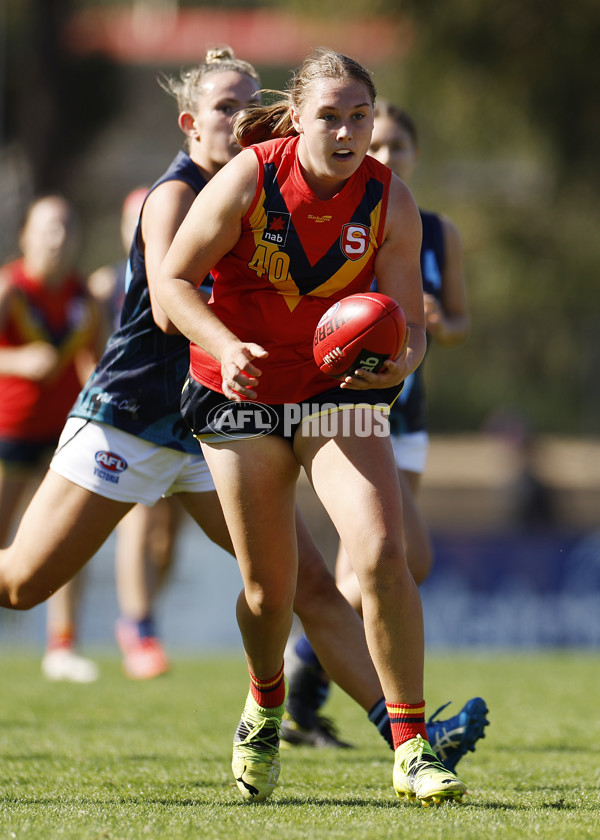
point(506, 96)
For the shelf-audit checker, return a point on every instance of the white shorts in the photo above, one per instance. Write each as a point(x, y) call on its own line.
point(410, 451)
point(124, 467)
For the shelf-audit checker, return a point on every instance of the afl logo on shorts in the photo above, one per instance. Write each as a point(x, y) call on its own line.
point(354, 241)
point(110, 462)
point(242, 419)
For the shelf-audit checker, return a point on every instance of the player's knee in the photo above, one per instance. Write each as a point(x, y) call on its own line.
point(19, 589)
point(162, 559)
point(269, 601)
point(385, 567)
point(23, 596)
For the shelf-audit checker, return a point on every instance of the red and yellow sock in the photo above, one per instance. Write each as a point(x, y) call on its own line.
point(61, 638)
point(407, 721)
point(268, 693)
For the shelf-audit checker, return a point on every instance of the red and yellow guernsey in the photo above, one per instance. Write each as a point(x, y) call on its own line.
point(35, 410)
point(296, 256)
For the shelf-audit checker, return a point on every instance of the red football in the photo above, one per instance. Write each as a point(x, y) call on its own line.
point(359, 331)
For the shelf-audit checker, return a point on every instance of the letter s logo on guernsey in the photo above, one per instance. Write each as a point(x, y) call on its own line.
point(354, 240)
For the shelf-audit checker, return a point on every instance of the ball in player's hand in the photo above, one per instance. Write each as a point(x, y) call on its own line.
point(359, 332)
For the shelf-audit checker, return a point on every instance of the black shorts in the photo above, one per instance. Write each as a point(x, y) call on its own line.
point(213, 418)
point(25, 454)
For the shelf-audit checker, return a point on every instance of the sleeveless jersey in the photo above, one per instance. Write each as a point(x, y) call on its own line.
point(115, 301)
point(36, 411)
point(296, 256)
point(408, 413)
point(137, 384)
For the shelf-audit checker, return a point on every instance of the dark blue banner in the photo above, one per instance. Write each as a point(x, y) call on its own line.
point(526, 589)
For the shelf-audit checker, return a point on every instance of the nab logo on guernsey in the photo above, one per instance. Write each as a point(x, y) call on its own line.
point(109, 466)
point(276, 229)
point(242, 419)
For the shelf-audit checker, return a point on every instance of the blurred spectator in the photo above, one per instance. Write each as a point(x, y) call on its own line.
point(108, 283)
point(49, 342)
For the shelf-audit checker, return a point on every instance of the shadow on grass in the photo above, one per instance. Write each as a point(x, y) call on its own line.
point(273, 804)
point(522, 807)
point(303, 802)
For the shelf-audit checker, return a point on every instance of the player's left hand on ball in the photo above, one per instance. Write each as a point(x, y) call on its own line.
point(363, 380)
point(393, 372)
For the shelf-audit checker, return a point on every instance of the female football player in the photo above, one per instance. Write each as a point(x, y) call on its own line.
point(292, 224)
point(394, 142)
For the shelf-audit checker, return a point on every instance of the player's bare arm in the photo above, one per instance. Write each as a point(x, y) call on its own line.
point(210, 230)
point(448, 319)
point(164, 211)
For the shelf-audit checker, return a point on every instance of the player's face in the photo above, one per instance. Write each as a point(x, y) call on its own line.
point(335, 127)
point(49, 238)
point(393, 146)
point(222, 96)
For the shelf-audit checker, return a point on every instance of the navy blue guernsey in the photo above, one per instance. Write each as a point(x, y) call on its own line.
point(408, 413)
point(137, 384)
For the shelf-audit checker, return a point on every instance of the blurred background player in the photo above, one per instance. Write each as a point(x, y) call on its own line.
point(146, 537)
point(49, 343)
point(108, 283)
point(394, 143)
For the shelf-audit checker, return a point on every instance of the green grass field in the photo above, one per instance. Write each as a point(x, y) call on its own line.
point(124, 760)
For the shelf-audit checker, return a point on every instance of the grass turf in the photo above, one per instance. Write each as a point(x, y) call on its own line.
point(117, 759)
